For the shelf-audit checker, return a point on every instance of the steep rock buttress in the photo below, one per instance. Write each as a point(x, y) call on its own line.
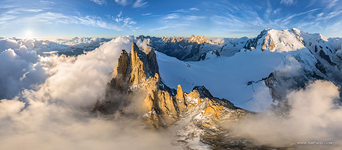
point(137, 73)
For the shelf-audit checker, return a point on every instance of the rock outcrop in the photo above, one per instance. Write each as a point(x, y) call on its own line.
point(136, 90)
point(137, 73)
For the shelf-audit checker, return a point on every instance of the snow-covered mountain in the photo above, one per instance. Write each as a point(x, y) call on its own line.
point(137, 90)
point(316, 56)
point(275, 60)
point(258, 77)
point(196, 47)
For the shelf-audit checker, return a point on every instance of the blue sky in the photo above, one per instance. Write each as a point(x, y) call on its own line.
point(212, 18)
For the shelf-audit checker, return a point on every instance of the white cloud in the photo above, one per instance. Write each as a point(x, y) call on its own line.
point(139, 3)
point(99, 2)
point(181, 11)
point(127, 21)
point(334, 28)
point(313, 116)
point(23, 10)
point(147, 14)
point(9, 107)
point(26, 63)
point(47, 2)
point(177, 21)
point(287, 2)
point(21, 69)
point(272, 18)
point(123, 2)
point(268, 11)
point(331, 3)
point(194, 9)
point(286, 20)
point(121, 23)
point(192, 18)
point(56, 115)
point(14, 12)
point(170, 26)
point(332, 15)
point(171, 16)
point(5, 18)
point(277, 11)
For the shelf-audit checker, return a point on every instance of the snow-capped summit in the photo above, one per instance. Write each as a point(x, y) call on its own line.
point(278, 60)
point(275, 40)
point(199, 39)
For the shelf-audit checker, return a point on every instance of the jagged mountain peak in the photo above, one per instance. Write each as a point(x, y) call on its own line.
point(275, 40)
point(292, 39)
point(161, 107)
point(199, 39)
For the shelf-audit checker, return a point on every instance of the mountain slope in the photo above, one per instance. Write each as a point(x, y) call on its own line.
point(313, 53)
point(275, 60)
point(225, 77)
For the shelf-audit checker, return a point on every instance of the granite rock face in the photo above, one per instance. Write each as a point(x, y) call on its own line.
point(136, 90)
point(136, 73)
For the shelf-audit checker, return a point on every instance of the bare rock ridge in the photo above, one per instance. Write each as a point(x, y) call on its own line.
point(137, 73)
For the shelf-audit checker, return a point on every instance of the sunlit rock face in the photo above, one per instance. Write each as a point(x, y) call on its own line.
point(137, 90)
point(161, 106)
point(197, 119)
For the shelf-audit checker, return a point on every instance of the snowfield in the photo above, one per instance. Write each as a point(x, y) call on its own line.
point(224, 77)
point(238, 78)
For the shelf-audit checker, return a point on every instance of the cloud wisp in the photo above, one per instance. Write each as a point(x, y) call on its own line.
point(287, 2)
point(16, 15)
point(139, 3)
point(179, 20)
point(119, 24)
point(99, 2)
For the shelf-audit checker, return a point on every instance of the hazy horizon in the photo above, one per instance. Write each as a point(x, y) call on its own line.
point(111, 37)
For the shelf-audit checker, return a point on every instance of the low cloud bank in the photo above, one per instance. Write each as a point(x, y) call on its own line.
point(26, 63)
point(314, 116)
point(55, 113)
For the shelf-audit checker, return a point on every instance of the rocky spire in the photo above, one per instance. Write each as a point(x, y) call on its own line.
point(180, 100)
point(123, 65)
point(162, 106)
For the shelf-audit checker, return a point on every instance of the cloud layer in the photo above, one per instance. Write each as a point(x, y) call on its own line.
point(314, 116)
point(55, 114)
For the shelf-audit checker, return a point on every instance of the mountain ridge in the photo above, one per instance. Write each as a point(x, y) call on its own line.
point(161, 107)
